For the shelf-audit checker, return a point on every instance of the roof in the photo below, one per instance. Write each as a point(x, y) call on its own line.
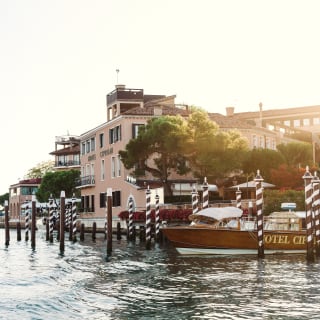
point(67, 150)
point(229, 122)
point(149, 111)
point(213, 214)
point(251, 184)
point(278, 112)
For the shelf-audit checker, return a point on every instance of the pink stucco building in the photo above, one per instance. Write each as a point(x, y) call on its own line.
point(101, 166)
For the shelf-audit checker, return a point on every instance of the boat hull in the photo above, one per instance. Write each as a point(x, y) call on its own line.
point(206, 240)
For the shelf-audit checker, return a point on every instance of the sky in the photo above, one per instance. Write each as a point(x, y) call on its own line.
point(58, 61)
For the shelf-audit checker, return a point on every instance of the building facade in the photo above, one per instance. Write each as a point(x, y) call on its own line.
point(21, 193)
point(101, 166)
point(66, 153)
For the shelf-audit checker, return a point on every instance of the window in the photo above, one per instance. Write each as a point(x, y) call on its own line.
point(135, 129)
point(101, 140)
point(254, 141)
point(103, 198)
point(93, 144)
point(306, 122)
point(316, 121)
point(268, 144)
point(62, 160)
point(25, 191)
point(113, 167)
point(87, 146)
point(92, 202)
point(115, 134)
point(118, 166)
point(76, 159)
point(83, 148)
point(102, 170)
point(296, 123)
point(116, 198)
point(286, 123)
point(261, 142)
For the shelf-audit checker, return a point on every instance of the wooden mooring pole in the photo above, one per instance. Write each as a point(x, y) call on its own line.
point(109, 219)
point(6, 222)
point(33, 222)
point(62, 219)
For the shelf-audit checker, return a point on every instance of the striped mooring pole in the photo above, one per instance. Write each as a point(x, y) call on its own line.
point(194, 199)
point(316, 206)
point(238, 198)
point(26, 226)
point(148, 218)
point(130, 226)
point(51, 209)
point(157, 219)
point(205, 194)
point(259, 199)
point(74, 218)
point(308, 202)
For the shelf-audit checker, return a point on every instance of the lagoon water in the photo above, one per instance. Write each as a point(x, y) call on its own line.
point(135, 283)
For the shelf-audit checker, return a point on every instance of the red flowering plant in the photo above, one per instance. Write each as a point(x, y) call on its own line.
point(164, 215)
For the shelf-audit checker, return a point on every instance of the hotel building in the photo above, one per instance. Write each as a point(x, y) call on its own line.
point(101, 166)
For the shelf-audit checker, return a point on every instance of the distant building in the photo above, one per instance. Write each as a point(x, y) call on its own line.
point(288, 124)
point(20, 193)
point(67, 153)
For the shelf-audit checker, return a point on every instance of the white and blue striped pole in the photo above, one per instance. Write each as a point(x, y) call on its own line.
point(259, 202)
point(316, 205)
point(308, 202)
point(238, 198)
point(26, 226)
point(205, 194)
point(157, 218)
point(148, 219)
point(194, 199)
point(74, 218)
point(130, 227)
point(51, 209)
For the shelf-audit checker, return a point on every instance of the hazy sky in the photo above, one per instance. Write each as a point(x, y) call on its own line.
point(58, 60)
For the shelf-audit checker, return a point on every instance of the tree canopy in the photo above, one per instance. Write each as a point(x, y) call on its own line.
point(213, 153)
point(296, 154)
point(40, 169)
point(54, 182)
point(263, 160)
point(172, 144)
point(158, 149)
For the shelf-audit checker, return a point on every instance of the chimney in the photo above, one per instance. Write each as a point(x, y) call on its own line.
point(260, 113)
point(230, 111)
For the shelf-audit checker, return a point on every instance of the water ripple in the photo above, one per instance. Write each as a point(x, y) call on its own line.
point(135, 283)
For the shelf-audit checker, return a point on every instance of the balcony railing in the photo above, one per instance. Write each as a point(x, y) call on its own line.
point(70, 163)
point(125, 94)
point(86, 181)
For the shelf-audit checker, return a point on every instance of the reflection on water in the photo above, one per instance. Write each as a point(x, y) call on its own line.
point(134, 283)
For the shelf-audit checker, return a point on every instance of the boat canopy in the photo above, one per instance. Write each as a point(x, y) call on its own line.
point(217, 213)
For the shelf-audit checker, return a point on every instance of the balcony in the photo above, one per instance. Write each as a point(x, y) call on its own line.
point(69, 163)
point(86, 181)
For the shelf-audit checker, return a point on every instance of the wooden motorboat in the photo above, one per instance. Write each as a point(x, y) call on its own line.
point(225, 231)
